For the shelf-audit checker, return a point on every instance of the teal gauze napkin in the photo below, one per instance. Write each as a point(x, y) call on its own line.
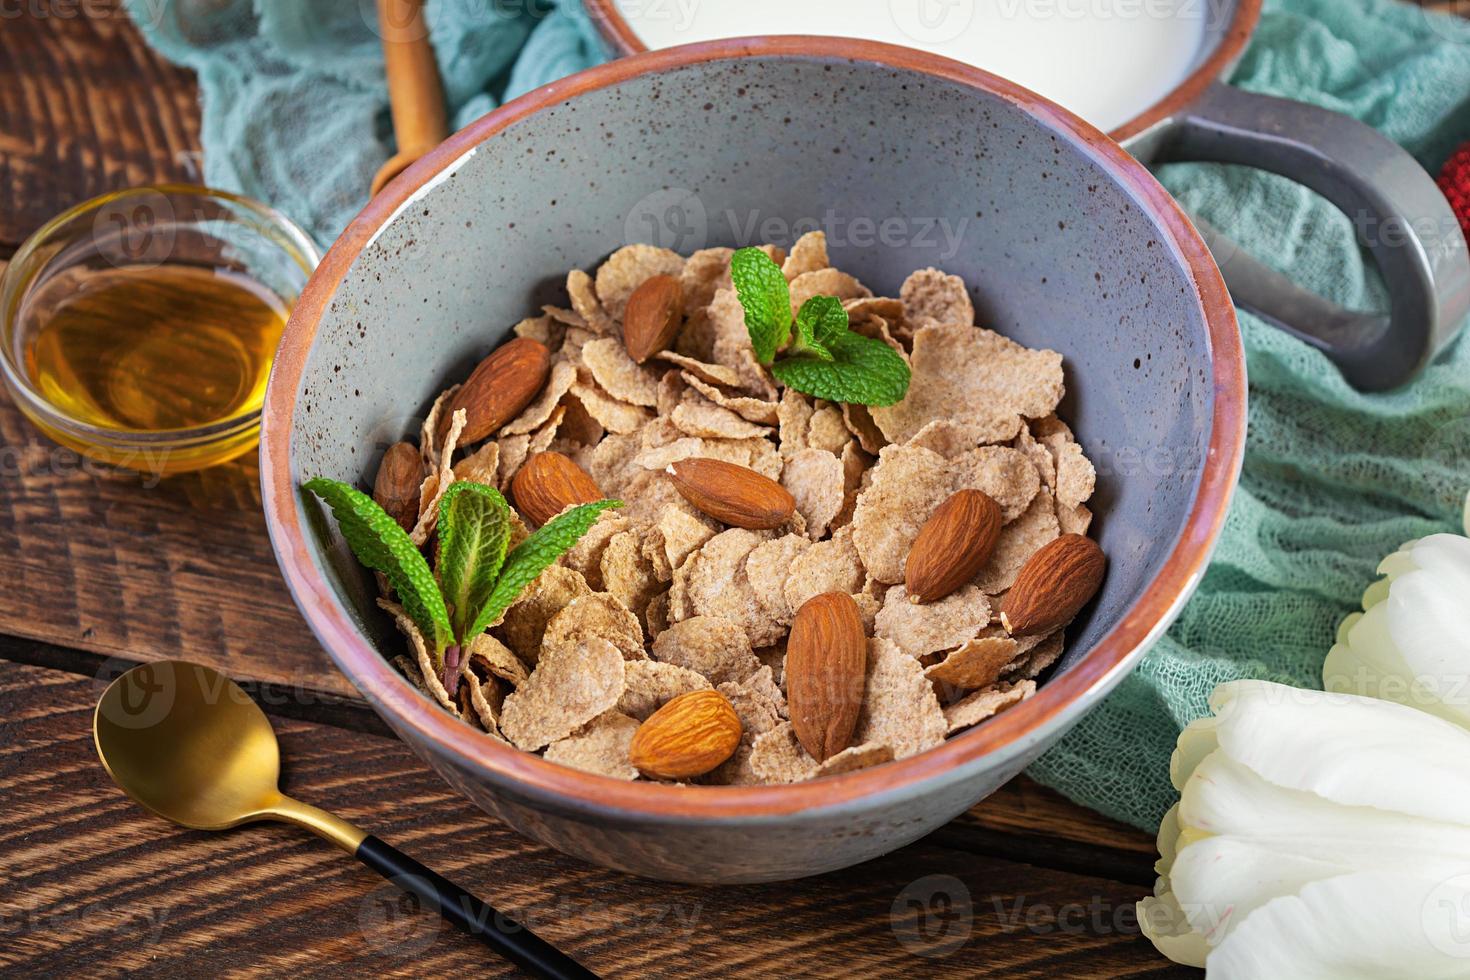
point(295, 113)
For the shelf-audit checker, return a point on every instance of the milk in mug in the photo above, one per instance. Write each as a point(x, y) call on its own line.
point(1106, 60)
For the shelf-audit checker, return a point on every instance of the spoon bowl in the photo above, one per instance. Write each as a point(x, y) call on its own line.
point(189, 744)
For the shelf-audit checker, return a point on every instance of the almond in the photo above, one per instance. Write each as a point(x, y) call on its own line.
point(549, 483)
point(953, 545)
point(689, 736)
point(396, 488)
point(499, 389)
point(826, 670)
point(1053, 586)
point(653, 316)
point(733, 494)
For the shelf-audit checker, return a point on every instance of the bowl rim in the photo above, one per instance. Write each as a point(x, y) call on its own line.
point(1054, 703)
point(618, 34)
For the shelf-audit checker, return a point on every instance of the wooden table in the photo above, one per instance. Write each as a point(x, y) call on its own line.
point(103, 570)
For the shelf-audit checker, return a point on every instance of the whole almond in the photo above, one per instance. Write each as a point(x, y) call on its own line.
point(687, 737)
point(1053, 586)
point(653, 316)
point(499, 389)
point(953, 545)
point(732, 494)
point(826, 671)
point(396, 488)
point(549, 483)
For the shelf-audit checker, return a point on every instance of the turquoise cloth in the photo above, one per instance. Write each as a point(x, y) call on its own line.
point(295, 114)
point(1333, 479)
point(295, 106)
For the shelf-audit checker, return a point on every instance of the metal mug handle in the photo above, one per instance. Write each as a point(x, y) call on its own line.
point(1402, 218)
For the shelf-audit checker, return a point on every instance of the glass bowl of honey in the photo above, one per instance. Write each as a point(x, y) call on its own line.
point(138, 328)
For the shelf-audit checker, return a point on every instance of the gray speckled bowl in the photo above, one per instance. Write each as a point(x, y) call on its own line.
point(906, 160)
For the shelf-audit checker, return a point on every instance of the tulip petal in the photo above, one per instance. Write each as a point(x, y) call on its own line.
point(1428, 619)
point(1365, 926)
point(1195, 742)
point(1250, 841)
point(1168, 840)
point(1352, 750)
point(1162, 920)
point(1397, 563)
point(1367, 661)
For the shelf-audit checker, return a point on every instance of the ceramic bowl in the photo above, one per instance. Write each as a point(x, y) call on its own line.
point(907, 161)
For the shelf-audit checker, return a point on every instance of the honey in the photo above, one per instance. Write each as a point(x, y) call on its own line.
point(154, 349)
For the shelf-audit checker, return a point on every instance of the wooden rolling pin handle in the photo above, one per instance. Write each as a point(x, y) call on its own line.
point(415, 91)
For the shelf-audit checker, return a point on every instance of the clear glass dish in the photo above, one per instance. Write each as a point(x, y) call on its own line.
point(161, 388)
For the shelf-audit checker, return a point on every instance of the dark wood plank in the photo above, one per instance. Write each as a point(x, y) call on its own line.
point(85, 107)
point(1021, 821)
point(92, 883)
point(106, 562)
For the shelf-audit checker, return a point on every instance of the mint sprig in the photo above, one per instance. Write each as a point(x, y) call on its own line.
point(861, 371)
point(382, 545)
point(532, 556)
point(474, 530)
point(766, 299)
point(825, 358)
point(476, 581)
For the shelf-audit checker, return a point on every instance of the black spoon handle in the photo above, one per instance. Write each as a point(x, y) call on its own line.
point(504, 935)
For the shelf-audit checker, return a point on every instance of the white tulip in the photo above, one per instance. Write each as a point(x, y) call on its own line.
point(1411, 643)
point(1318, 835)
point(1326, 835)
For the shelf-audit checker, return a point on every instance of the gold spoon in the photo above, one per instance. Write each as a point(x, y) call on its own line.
point(189, 744)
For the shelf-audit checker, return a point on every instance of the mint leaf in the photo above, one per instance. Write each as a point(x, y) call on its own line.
point(380, 544)
point(862, 371)
point(532, 556)
point(820, 323)
point(474, 529)
point(765, 298)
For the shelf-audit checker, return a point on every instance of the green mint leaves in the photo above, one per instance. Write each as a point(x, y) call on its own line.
point(824, 357)
point(380, 544)
point(474, 530)
point(820, 323)
point(765, 298)
point(861, 371)
point(532, 556)
point(477, 581)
